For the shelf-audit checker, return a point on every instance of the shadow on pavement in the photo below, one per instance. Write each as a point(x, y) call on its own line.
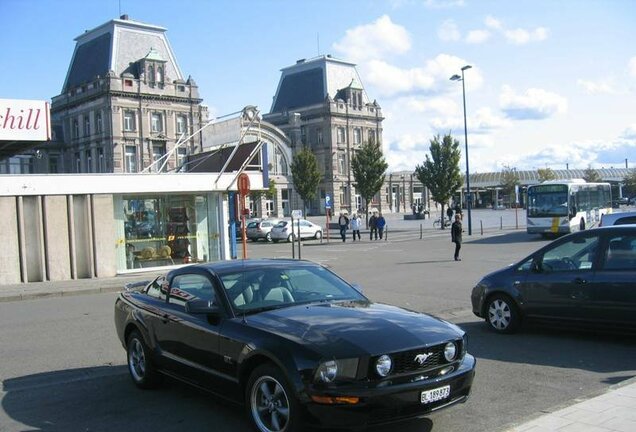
point(104, 399)
point(512, 237)
point(549, 346)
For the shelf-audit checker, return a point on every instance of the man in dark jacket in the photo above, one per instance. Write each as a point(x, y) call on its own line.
point(373, 229)
point(456, 235)
point(343, 223)
point(449, 213)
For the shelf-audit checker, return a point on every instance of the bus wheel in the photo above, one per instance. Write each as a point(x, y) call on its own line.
point(582, 225)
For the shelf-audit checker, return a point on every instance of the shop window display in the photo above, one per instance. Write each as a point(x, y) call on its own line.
point(168, 230)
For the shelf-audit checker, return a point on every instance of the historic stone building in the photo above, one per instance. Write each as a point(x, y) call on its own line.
point(124, 104)
point(321, 104)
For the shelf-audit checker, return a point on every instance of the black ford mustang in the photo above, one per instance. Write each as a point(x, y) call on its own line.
point(294, 342)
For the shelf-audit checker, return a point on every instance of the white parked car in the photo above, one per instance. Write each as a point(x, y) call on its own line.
point(618, 218)
point(283, 231)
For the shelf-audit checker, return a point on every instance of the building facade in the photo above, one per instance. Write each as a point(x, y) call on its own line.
point(321, 104)
point(125, 105)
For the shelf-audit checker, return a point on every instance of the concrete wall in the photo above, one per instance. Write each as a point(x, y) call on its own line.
point(10, 251)
point(56, 237)
point(104, 236)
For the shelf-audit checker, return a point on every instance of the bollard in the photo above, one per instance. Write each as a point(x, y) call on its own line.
point(501, 222)
point(481, 224)
point(420, 231)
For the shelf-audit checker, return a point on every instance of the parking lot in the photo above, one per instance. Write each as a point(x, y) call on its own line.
point(63, 368)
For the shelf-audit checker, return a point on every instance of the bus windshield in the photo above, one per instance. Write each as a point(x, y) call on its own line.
point(548, 201)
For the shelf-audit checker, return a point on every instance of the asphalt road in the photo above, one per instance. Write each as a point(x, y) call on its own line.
point(62, 367)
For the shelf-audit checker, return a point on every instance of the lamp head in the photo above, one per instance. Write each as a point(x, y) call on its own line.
point(455, 78)
point(466, 67)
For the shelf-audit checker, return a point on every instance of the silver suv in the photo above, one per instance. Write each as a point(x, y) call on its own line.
point(261, 229)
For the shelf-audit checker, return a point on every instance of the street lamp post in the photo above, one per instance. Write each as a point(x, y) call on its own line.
point(468, 198)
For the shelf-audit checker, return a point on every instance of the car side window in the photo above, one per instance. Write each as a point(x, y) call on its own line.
point(158, 288)
point(620, 253)
point(576, 254)
point(188, 287)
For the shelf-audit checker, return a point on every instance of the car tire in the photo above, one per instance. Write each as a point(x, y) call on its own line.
point(140, 366)
point(582, 225)
point(502, 314)
point(318, 235)
point(270, 401)
point(268, 237)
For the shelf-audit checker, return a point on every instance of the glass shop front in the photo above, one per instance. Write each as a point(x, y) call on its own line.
point(167, 229)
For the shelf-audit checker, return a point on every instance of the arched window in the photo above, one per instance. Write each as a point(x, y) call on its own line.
point(151, 74)
point(159, 74)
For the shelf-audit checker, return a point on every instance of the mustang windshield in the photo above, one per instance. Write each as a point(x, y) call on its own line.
point(265, 288)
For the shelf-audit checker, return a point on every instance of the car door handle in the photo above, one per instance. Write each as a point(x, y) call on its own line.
point(580, 281)
point(165, 318)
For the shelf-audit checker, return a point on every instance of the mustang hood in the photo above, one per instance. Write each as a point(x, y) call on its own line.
point(348, 329)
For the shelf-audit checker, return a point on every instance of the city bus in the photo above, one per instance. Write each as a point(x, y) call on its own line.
point(561, 207)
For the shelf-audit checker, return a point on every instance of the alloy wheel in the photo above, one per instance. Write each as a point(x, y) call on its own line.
point(137, 360)
point(269, 405)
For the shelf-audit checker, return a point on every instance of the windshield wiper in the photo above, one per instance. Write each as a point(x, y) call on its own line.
point(265, 308)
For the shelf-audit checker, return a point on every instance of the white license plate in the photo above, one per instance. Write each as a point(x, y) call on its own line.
point(429, 396)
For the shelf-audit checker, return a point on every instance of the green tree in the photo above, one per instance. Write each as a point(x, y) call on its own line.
point(270, 193)
point(368, 166)
point(546, 174)
point(590, 175)
point(304, 169)
point(440, 173)
point(509, 181)
point(629, 183)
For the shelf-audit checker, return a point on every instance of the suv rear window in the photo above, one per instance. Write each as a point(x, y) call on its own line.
point(626, 220)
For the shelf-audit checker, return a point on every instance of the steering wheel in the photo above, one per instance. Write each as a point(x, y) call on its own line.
point(569, 262)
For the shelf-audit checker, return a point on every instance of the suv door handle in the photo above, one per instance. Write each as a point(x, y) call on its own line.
point(580, 281)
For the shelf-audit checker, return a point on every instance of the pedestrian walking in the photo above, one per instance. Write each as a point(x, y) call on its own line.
point(449, 213)
point(373, 228)
point(355, 226)
point(380, 223)
point(343, 223)
point(456, 235)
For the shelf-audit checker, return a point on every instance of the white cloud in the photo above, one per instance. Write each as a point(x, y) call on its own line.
point(632, 67)
point(483, 122)
point(443, 4)
point(597, 87)
point(629, 133)
point(443, 106)
point(389, 80)
point(534, 104)
point(448, 31)
point(373, 41)
point(518, 36)
point(477, 36)
point(493, 23)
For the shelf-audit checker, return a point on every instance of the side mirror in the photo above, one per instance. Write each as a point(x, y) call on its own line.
point(202, 307)
point(536, 266)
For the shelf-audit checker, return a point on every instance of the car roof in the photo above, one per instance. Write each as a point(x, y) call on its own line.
point(609, 219)
point(230, 266)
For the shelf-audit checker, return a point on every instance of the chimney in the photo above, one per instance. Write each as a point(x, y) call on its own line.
point(124, 17)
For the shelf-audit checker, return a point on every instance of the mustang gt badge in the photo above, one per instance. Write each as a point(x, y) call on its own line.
point(421, 358)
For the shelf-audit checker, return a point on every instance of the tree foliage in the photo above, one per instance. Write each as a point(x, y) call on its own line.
point(368, 166)
point(590, 175)
point(306, 175)
point(546, 174)
point(629, 183)
point(270, 193)
point(509, 180)
point(440, 173)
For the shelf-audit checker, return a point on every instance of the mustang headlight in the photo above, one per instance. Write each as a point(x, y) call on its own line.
point(330, 370)
point(450, 351)
point(383, 365)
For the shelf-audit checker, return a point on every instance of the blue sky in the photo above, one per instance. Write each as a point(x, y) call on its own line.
point(553, 83)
